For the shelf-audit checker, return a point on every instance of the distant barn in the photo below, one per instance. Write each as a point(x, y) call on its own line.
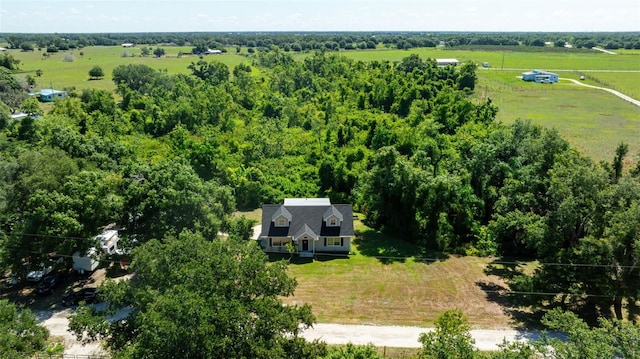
point(212, 52)
point(128, 44)
point(446, 62)
point(539, 76)
point(49, 95)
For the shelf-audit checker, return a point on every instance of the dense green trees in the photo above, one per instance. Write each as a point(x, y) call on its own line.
point(609, 339)
point(20, 335)
point(197, 298)
point(451, 338)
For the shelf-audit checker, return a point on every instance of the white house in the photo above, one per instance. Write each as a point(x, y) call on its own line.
point(311, 225)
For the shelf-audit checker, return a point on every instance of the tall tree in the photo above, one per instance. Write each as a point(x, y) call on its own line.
point(20, 335)
point(451, 338)
point(197, 298)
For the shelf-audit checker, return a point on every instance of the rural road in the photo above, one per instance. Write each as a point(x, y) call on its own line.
point(389, 336)
point(407, 337)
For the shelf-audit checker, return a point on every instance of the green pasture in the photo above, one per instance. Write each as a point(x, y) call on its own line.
point(513, 60)
point(593, 121)
point(75, 74)
point(625, 82)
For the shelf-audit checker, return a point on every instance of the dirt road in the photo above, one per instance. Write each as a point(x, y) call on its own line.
point(406, 337)
point(389, 336)
point(617, 93)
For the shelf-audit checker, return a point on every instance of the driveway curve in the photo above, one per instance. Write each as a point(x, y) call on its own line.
point(617, 93)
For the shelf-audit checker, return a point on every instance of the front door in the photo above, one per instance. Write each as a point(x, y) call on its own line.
point(305, 245)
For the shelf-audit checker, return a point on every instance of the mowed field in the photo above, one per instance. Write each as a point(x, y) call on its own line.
point(75, 74)
point(384, 282)
point(593, 121)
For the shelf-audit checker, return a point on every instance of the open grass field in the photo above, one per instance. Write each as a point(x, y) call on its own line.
point(61, 74)
point(513, 60)
point(625, 82)
point(593, 121)
point(367, 289)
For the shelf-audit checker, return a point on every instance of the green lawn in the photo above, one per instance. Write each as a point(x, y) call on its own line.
point(366, 289)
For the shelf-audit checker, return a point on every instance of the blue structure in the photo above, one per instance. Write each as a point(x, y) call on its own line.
point(539, 76)
point(49, 95)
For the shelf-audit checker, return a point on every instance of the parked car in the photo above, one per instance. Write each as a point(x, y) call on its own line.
point(49, 283)
point(42, 270)
point(87, 295)
point(38, 274)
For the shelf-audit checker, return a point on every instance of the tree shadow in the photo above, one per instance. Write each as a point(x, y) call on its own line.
point(510, 305)
point(387, 250)
point(513, 304)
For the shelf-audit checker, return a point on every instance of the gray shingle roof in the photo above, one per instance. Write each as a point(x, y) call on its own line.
point(332, 211)
point(311, 216)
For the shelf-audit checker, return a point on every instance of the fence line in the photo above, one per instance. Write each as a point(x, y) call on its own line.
point(67, 356)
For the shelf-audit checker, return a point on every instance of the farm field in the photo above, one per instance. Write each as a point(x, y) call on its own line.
point(365, 289)
point(593, 121)
point(513, 60)
point(625, 82)
point(75, 74)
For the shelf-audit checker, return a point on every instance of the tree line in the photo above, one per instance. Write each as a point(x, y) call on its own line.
point(328, 41)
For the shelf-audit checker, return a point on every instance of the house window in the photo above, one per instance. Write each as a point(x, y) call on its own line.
point(333, 241)
point(333, 221)
point(279, 242)
point(282, 222)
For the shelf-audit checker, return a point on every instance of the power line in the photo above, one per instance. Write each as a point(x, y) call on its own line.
point(397, 258)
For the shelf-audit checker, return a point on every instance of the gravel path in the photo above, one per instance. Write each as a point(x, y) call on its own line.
point(406, 337)
point(389, 336)
point(617, 93)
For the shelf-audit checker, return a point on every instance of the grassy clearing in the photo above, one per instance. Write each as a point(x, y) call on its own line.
point(393, 290)
point(625, 82)
point(593, 121)
point(512, 60)
point(76, 73)
point(256, 214)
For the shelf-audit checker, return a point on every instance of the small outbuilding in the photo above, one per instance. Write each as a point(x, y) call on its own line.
point(212, 52)
point(446, 62)
point(539, 76)
point(108, 241)
point(87, 262)
point(128, 44)
point(49, 95)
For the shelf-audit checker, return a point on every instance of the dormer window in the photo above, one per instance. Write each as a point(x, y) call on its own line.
point(281, 218)
point(332, 217)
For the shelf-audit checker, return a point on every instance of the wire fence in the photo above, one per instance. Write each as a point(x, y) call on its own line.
point(67, 356)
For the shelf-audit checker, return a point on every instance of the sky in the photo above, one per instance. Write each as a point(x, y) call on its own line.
point(93, 16)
